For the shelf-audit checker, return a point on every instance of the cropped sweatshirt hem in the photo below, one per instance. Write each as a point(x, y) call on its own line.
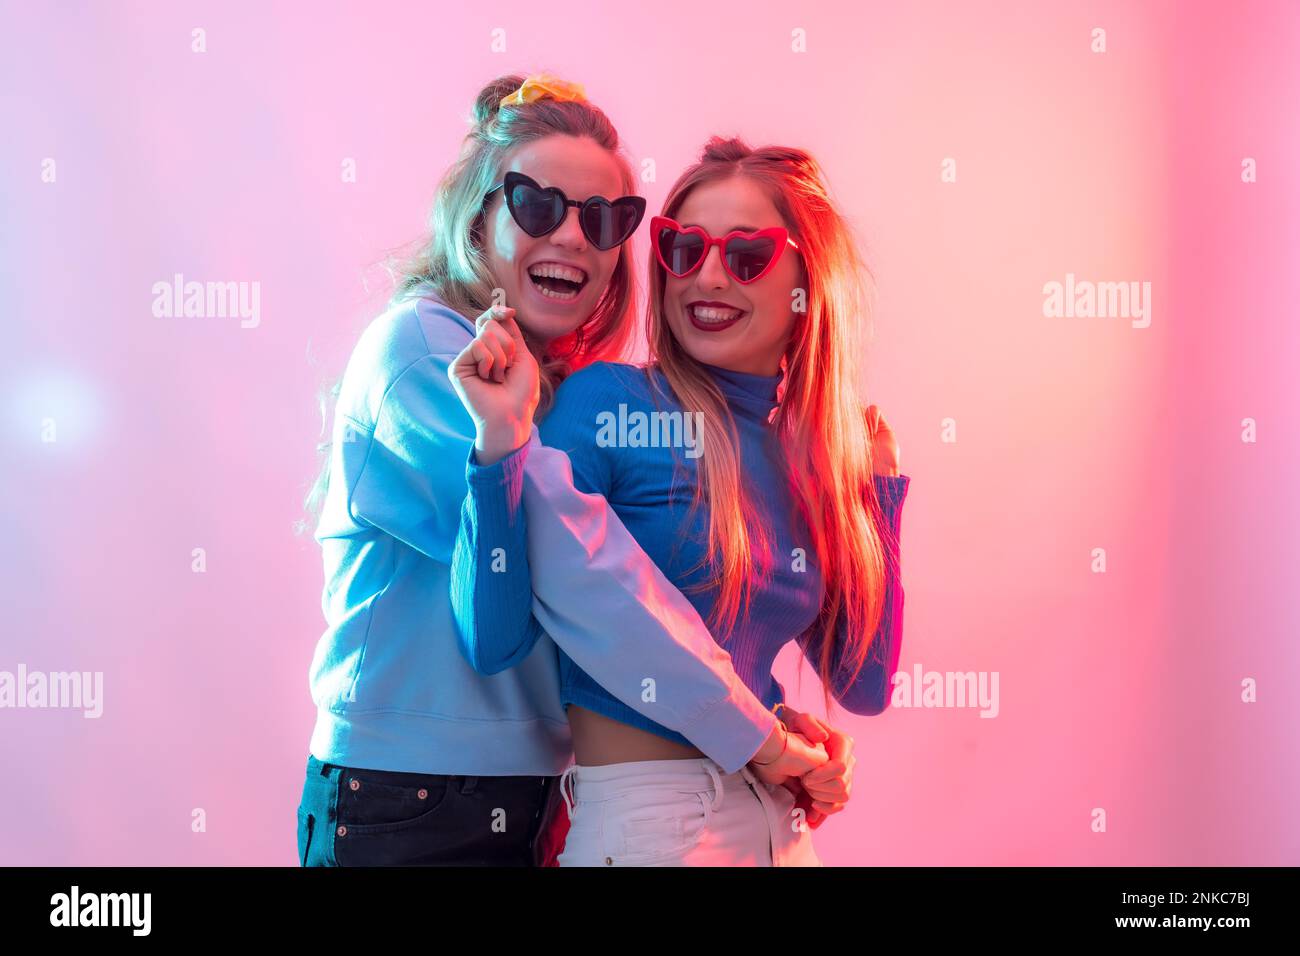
point(402, 742)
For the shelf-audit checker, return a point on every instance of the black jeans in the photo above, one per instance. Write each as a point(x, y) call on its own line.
point(355, 817)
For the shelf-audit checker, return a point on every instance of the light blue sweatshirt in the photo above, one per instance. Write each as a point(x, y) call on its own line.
point(392, 690)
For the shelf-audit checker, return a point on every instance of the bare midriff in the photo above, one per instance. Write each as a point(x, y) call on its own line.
point(599, 740)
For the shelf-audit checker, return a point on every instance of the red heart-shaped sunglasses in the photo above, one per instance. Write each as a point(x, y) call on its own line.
point(746, 256)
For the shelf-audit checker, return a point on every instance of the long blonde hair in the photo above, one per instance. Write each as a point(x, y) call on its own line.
point(819, 419)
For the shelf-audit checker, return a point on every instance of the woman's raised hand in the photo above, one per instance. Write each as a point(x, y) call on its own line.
point(498, 381)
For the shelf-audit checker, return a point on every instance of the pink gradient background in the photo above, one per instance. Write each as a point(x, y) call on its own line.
point(1119, 691)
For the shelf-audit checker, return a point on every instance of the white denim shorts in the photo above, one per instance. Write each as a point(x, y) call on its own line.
point(680, 813)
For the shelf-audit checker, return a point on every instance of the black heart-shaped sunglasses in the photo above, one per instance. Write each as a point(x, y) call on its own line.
point(539, 210)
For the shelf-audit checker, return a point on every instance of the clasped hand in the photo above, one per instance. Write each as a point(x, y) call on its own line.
point(817, 766)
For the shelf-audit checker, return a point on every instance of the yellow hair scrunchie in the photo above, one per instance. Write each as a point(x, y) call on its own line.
point(537, 87)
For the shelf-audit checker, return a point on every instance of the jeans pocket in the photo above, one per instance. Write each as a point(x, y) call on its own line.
point(369, 803)
point(660, 834)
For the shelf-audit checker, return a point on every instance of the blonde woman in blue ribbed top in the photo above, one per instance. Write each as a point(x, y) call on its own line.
point(779, 518)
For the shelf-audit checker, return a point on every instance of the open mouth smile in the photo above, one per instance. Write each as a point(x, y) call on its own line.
point(557, 280)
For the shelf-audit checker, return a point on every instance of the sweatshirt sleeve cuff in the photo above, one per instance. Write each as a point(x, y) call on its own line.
point(732, 730)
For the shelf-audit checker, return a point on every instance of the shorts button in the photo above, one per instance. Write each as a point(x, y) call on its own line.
point(423, 794)
point(342, 831)
point(355, 784)
point(609, 861)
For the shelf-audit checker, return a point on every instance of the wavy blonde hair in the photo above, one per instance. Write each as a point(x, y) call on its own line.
point(452, 260)
point(819, 419)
